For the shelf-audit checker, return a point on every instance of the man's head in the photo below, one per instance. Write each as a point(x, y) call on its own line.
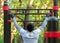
point(30, 27)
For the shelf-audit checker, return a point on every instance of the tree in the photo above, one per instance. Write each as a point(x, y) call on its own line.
point(26, 17)
point(27, 14)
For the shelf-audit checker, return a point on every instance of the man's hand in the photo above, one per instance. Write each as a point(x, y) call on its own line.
point(10, 14)
point(48, 15)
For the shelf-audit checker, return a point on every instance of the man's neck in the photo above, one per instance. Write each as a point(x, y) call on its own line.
point(30, 32)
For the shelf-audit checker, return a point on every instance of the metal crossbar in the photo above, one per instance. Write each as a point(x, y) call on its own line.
point(27, 11)
point(30, 11)
point(32, 20)
point(29, 21)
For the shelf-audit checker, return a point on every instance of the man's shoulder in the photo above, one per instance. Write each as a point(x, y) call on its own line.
point(37, 31)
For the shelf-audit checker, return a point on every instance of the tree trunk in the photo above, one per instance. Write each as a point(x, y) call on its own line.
point(1, 7)
point(26, 18)
point(27, 14)
point(20, 2)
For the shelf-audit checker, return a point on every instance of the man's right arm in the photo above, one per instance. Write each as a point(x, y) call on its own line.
point(19, 28)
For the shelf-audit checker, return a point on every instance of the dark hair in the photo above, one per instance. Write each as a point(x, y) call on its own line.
point(30, 27)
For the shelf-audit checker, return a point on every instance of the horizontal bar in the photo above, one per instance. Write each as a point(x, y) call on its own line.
point(29, 21)
point(59, 19)
point(30, 13)
point(29, 9)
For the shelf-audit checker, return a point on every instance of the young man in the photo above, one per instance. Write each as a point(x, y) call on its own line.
point(30, 35)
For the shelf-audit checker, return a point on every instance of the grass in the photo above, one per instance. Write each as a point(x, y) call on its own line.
point(1, 39)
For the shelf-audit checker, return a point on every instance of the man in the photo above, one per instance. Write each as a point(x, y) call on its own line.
point(30, 35)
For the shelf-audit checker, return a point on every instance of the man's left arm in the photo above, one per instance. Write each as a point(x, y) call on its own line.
point(43, 24)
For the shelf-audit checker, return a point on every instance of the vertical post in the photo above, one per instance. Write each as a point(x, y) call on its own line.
point(7, 25)
point(55, 7)
point(52, 27)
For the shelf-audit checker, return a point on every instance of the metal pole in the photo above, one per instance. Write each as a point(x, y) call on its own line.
point(7, 25)
point(55, 4)
point(53, 25)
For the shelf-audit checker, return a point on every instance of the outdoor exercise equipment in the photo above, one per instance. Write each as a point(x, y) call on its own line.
point(52, 24)
point(7, 24)
point(52, 33)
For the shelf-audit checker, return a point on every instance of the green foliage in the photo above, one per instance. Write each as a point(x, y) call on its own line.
point(1, 28)
point(36, 4)
point(1, 39)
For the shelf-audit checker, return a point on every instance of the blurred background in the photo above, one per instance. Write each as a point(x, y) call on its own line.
point(25, 4)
